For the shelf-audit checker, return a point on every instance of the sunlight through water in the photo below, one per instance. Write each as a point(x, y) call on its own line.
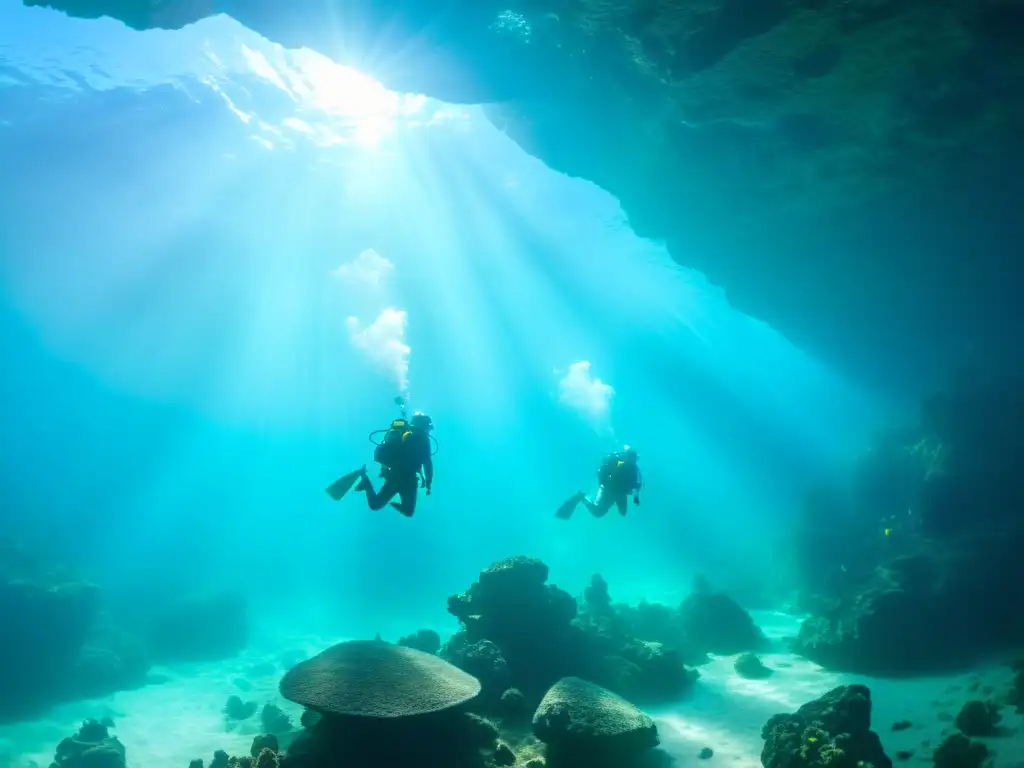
point(229, 267)
point(339, 96)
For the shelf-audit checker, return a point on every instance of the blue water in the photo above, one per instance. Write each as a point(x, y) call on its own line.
point(180, 379)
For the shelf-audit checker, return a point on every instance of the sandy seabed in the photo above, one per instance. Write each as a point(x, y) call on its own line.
point(179, 717)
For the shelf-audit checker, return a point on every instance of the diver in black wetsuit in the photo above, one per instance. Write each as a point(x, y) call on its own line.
point(618, 477)
point(403, 455)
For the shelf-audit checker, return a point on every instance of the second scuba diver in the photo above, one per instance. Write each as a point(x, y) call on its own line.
point(618, 476)
point(404, 454)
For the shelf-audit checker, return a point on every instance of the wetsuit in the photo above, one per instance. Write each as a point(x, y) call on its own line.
point(617, 480)
point(401, 476)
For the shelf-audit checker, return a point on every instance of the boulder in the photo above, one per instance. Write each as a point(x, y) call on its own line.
point(979, 718)
point(713, 622)
point(91, 747)
point(235, 709)
point(581, 719)
point(833, 728)
point(274, 720)
point(958, 751)
point(751, 667)
point(46, 626)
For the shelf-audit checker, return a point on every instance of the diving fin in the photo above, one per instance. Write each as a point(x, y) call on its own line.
point(565, 511)
point(343, 485)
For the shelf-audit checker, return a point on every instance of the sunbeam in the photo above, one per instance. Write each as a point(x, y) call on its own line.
point(259, 249)
point(332, 401)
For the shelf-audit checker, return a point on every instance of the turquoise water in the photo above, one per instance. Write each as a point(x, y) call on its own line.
point(194, 219)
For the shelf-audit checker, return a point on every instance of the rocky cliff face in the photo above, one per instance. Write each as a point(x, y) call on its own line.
point(849, 170)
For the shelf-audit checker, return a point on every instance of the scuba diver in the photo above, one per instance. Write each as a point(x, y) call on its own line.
point(404, 453)
point(618, 476)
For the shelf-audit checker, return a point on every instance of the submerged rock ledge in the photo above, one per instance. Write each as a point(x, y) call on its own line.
point(849, 170)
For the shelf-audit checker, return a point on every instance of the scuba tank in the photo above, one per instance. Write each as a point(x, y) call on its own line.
point(389, 443)
point(388, 449)
point(607, 468)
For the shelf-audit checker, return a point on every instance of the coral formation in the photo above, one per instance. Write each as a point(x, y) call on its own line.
point(834, 729)
point(707, 621)
point(751, 667)
point(236, 709)
point(923, 550)
point(515, 623)
point(580, 723)
point(978, 718)
point(371, 703)
point(262, 742)
point(109, 660)
point(519, 631)
point(713, 622)
point(503, 754)
point(274, 720)
point(957, 751)
point(91, 747)
point(384, 705)
point(62, 646)
point(376, 679)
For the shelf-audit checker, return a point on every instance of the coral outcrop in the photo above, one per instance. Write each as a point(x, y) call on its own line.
point(91, 747)
point(48, 624)
point(923, 551)
point(274, 720)
point(751, 667)
point(958, 751)
point(979, 718)
point(521, 632)
point(713, 622)
point(583, 724)
point(386, 705)
point(832, 730)
point(235, 709)
point(58, 645)
point(707, 621)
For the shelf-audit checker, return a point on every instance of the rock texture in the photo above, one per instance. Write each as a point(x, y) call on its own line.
point(707, 621)
point(58, 645)
point(715, 623)
point(387, 705)
point(832, 730)
point(582, 719)
point(848, 170)
point(521, 633)
point(92, 746)
point(367, 678)
point(926, 544)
